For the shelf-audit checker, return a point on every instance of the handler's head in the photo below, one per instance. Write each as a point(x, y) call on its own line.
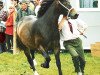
point(1, 5)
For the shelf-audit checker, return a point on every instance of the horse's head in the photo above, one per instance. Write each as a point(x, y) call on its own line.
point(73, 14)
point(66, 8)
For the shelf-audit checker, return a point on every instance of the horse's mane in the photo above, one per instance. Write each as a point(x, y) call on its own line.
point(44, 7)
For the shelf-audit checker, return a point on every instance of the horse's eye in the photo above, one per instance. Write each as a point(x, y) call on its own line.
point(67, 4)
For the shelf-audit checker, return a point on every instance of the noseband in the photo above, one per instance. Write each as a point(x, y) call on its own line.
point(65, 7)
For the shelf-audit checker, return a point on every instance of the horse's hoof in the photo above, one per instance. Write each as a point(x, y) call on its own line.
point(30, 67)
point(36, 73)
point(35, 63)
point(44, 65)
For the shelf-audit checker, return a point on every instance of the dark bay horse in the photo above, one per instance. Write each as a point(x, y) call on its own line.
point(42, 32)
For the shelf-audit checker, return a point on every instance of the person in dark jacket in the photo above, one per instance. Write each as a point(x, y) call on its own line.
point(2, 29)
point(24, 10)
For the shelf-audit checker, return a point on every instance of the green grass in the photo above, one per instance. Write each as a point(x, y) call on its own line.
point(17, 65)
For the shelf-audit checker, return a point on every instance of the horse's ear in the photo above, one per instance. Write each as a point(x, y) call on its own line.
point(58, 0)
point(61, 0)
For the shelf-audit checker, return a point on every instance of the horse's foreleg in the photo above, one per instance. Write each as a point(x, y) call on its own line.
point(47, 58)
point(58, 63)
point(33, 57)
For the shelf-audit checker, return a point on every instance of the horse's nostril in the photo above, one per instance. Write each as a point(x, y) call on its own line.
point(75, 16)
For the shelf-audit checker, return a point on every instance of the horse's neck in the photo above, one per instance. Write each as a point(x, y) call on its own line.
point(51, 16)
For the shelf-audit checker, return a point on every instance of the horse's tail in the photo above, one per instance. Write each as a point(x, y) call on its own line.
point(20, 45)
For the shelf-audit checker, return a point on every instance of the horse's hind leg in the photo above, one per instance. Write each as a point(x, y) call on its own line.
point(47, 58)
point(58, 63)
point(33, 57)
point(30, 60)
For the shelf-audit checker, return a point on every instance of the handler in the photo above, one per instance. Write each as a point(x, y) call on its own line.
point(70, 29)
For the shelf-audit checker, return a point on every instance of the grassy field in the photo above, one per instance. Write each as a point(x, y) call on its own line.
point(17, 65)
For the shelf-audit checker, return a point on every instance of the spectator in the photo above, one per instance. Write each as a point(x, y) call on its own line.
point(16, 4)
point(2, 38)
point(9, 27)
point(31, 5)
point(23, 11)
point(95, 4)
point(37, 6)
point(69, 33)
point(3, 13)
point(2, 28)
